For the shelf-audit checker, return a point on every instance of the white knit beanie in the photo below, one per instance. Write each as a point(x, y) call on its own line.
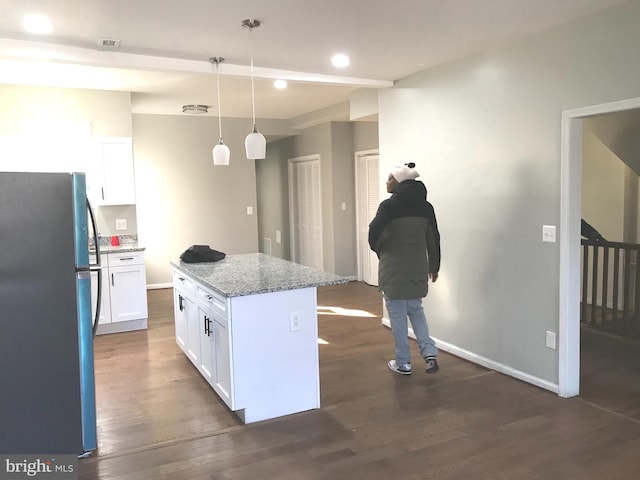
point(405, 172)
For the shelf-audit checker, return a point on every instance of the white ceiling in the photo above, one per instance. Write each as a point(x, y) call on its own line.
point(165, 46)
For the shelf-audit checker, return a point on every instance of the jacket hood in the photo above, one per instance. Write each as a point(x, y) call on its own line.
point(412, 190)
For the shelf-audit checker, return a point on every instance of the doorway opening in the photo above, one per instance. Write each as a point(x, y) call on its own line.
point(570, 219)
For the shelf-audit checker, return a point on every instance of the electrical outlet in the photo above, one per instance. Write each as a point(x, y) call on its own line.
point(121, 224)
point(551, 340)
point(278, 236)
point(249, 210)
point(295, 322)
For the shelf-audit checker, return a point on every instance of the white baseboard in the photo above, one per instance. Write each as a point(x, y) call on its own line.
point(157, 286)
point(119, 327)
point(486, 362)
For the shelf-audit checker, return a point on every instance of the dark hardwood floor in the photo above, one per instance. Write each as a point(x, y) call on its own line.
point(158, 419)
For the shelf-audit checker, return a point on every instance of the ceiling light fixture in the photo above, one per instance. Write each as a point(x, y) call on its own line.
point(221, 152)
point(340, 60)
point(255, 144)
point(280, 84)
point(197, 109)
point(37, 23)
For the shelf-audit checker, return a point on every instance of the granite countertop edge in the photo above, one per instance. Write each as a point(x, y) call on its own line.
point(120, 249)
point(254, 274)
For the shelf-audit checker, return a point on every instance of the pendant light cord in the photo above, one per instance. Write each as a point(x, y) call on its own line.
point(218, 85)
point(253, 93)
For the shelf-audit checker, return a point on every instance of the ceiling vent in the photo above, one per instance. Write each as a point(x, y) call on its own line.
point(195, 109)
point(108, 44)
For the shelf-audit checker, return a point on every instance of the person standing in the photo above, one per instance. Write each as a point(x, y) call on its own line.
point(404, 234)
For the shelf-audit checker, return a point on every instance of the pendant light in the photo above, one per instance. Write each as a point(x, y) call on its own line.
point(255, 144)
point(220, 152)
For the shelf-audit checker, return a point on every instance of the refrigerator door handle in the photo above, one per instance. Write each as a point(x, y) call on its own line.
point(96, 267)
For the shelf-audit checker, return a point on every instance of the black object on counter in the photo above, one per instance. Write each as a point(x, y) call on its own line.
point(200, 254)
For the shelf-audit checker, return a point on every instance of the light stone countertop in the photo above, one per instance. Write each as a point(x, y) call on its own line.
point(256, 273)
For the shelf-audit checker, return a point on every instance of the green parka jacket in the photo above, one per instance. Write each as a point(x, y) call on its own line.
point(404, 234)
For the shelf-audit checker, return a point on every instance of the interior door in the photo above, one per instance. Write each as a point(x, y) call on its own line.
point(305, 211)
point(367, 201)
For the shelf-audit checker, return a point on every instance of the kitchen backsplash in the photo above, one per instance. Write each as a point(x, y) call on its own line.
point(105, 240)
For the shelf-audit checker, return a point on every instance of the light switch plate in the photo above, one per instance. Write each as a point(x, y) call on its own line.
point(551, 340)
point(549, 233)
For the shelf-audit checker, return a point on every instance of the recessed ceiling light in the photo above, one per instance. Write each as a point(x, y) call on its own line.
point(340, 60)
point(37, 23)
point(280, 84)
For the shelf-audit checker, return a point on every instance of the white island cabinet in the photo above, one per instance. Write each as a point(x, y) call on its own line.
point(249, 325)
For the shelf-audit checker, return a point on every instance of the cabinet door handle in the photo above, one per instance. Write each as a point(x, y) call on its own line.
point(207, 326)
point(102, 192)
point(113, 282)
point(181, 303)
point(124, 259)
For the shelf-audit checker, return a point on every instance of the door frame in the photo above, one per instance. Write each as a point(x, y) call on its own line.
point(570, 215)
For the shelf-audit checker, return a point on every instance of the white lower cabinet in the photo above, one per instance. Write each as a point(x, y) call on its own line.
point(124, 292)
point(105, 300)
point(222, 356)
point(202, 333)
point(180, 312)
point(259, 362)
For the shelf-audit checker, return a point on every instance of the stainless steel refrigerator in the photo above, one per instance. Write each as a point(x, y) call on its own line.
point(47, 388)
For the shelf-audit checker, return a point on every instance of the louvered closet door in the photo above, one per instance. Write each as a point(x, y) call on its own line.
point(305, 204)
point(368, 188)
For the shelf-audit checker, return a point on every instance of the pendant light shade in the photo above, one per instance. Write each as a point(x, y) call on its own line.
point(221, 152)
point(255, 144)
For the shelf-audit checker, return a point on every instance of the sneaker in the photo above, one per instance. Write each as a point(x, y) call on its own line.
point(432, 364)
point(401, 369)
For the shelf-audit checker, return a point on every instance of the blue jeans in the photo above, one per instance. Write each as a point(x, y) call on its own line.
point(399, 310)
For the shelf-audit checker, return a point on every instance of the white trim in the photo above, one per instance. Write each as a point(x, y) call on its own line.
point(486, 362)
point(157, 286)
point(570, 208)
point(27, 50)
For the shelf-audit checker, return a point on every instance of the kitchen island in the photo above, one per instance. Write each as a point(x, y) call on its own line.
point(249, 325)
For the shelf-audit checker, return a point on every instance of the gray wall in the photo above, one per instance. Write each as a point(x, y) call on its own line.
point(272, 185)
point(182, 199)
point(336, 143)
point(487, 130)
point(343, 189)
point(365, 136)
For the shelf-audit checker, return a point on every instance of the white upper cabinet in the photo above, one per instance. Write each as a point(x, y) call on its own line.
point(110, 176)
